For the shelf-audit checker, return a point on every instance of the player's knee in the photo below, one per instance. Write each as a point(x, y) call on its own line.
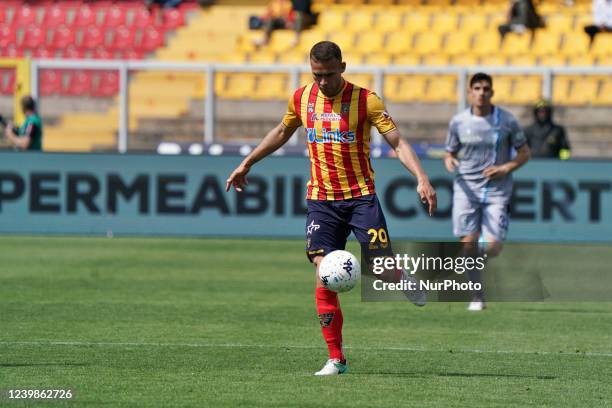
point(493, 248)
point(316, 261)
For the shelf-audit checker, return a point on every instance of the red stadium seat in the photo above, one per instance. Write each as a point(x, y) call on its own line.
point(12, 51)
point(132, 55)
point(50, 82)
point(62, 37)
point(102, 53)
point(108, 84)
point(7, 82)
point(79, 83)
point(3, 16)
point(173, 19)
point(152, 38)
point(25, 15)
point(33, 37)
point(8, 36)
point(55, 16)
point(123, 39)
point(93, 37)
point(42, 53)
point(142, 18)
point(114, 17)
point(85, 17)
point(72, 52)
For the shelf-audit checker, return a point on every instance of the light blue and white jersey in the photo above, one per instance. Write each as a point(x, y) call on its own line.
point(481, 142)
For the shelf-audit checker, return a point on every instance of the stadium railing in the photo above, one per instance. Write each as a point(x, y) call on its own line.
point(209, 70)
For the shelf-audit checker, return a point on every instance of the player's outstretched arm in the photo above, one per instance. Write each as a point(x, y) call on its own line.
point(522, 156)
point(409, 159)
point(450, 161)
point(19, 142)
point(270, 143)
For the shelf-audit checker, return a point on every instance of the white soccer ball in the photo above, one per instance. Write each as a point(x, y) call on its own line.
point(339, 271)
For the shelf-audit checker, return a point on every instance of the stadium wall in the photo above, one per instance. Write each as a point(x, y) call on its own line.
point(114, 194)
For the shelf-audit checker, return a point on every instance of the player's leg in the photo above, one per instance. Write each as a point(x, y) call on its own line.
point(494, 228)
point(326, 232)
point(369, 225)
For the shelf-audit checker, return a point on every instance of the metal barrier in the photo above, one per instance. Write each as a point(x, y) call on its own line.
point(209, 70)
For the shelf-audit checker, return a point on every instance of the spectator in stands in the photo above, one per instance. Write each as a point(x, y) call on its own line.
point(546, 139)
point(29, 135)
point(522, 16)
point(602, 19)
point(283, 14)
point(161, 4)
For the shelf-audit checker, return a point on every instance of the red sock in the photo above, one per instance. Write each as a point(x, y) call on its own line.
point(330, 317)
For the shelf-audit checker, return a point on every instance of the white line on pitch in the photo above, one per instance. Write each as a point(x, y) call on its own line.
point(268, 346)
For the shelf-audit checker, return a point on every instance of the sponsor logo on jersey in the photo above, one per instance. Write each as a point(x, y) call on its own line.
point(329, 136)
point(326, 117)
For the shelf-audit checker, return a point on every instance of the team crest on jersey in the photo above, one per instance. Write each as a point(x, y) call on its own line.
point(310, 107)
point(345, 108)
point(326, 319)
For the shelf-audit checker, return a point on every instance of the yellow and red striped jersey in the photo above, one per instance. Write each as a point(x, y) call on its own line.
point(338, 137)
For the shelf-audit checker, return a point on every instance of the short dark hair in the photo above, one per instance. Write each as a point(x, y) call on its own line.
point(481, 76)
point(325, 51)
point(28, 103)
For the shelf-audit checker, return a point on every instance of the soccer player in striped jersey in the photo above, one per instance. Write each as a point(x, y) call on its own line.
point(337, 117)
point(479, 146)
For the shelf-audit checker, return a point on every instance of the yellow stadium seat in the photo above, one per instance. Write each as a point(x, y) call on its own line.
point(282, 40)
point(417, 22)
point(445, 23)
point(442, 3)
point(271, 86)
point(388, 21)
point(605, 94)
point(474, 23)
point(574, 43)
point(414, 3)
point(465, 60)
point(360, 20)
point(494, 60)
point(435, 60)
point(561, 87)
point(262, 57)
point(467, 3)
point(427, 43)
point(582, 20)
point(486, 43)
point(546, 43)
point(560, 23)
point(583, 90)
point(441, 88)
point(407, 59)
point(602, 46)
point(239, 86)
point(553, 61)
point(526, 90)
point(352, 58)
point(370, 42)
point(293, 57)
point(412, 88)
point(378, 58)
point(458, 43)
point(399, 42)
point(605, 61)
point(344, 39)
point(331, 20)
point(516, 44)
point(527, 60)
point(363, 80)
point(503, 89)
point(582, 60)
point(391, 88)
point(309, 38)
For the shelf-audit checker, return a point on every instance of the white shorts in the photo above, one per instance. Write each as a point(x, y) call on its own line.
point(473, 214)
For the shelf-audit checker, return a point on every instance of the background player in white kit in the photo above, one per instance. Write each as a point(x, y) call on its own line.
point(480, 147)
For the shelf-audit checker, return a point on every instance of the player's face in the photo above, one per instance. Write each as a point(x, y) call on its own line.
point(481, 93)
point(328, 75)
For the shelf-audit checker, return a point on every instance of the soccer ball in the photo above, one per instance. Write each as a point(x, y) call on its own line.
point(339, 271)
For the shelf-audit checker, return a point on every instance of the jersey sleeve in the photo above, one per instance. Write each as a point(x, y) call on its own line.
point(378, 115)
point(452, 138)
point(292, 118)
point(517, 135)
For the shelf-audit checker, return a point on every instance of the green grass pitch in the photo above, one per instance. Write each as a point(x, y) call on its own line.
point(231, 323)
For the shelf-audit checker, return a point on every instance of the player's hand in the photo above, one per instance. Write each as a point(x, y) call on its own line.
point(238, 178)
point(428, 195)
point(450, 163)
point(495, 172)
